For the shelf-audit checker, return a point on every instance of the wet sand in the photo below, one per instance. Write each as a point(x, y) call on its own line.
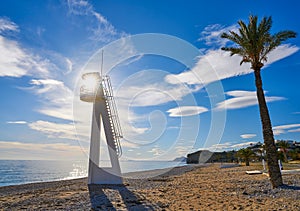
point(207, 187)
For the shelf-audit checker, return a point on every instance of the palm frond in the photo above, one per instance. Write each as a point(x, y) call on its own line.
point(265, 25)
point(276, 40)
point(254, 40)
point(234, 50)
point(284, 35)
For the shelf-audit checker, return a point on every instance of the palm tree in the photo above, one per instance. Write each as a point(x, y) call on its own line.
point(246, 154)
point(254, 42)
point(284, 145)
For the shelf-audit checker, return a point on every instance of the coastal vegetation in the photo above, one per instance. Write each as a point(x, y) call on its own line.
point(256, 151)
point(283, 146)
point(253, 42)
point(246, 154)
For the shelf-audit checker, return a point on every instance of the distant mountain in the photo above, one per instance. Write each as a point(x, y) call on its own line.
point(180, 159)
point(206, 156)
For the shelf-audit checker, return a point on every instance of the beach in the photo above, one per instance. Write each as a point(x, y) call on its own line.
point(191, 187)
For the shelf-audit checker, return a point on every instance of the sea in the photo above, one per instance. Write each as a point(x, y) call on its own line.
point(15, 172)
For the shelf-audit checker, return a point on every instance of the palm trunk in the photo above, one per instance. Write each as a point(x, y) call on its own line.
point(271, 151)
point(285, 155)
point(247, 162)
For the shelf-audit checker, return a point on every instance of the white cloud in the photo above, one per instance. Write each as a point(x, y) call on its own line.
point(16, 122)
point(182, 150)
point(127, 144)
point(156, 151)
point(53, 151)
point(147, 88)
point(7, 25)
point(242, 145)
point(60, 63)
point(79, 7)
point(218, 147)
point(285, 127)
point(216, 64)
point(151, 92)
point(69, 65)
point(55, 130)
point(57, 98)
point(15, 61)
point(45, 82)
point(294, 130)
point(281, 52)
point(281, 129)
point(186, 111)
point(212, 34)
point(247, 136)
point(102, 30)
point(228, 146)
point(154, 94)
point(243, 99)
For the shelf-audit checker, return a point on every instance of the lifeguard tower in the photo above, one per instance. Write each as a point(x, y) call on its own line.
point(97, 89)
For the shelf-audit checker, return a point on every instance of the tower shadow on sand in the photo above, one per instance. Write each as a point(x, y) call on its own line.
point(116, 197)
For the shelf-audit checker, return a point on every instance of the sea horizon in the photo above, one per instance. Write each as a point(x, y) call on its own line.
point(17, 172)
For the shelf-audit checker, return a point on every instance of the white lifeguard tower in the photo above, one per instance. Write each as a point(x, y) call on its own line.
point(97, 89)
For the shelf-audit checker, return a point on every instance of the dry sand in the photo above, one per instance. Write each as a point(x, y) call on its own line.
point(183, 188)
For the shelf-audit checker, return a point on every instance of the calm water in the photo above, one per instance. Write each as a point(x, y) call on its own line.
point(13, 172)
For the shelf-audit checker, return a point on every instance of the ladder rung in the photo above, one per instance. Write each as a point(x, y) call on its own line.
point(112, 113)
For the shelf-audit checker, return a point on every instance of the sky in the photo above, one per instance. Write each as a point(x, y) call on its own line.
point(175, 90)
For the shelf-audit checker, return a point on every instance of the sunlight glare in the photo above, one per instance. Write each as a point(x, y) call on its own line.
point(91, 81)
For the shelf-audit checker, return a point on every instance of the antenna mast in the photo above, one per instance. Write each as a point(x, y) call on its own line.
point(102, 63)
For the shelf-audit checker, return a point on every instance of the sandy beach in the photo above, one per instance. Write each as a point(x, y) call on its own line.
point(203, 187)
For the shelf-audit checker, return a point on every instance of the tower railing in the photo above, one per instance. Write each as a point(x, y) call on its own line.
point(112, 113)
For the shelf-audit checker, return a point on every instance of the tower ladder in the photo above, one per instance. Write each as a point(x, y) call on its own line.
point(112, 113)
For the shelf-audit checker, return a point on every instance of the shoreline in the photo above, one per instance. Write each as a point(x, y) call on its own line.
point(196, 187)
point(142, 174)
point(136, 175)
point(67, 175)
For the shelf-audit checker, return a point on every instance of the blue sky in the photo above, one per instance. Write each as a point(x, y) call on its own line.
point(175, 89)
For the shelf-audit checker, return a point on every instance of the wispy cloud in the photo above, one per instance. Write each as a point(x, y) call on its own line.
point(56, 98)
point(182, 150)
point(148, 88)
point(228, 146)
point(54, 130)
point(55, 151)
point(102, 30)
point(294, 130)
point(186, 111)
point(15, 60)
point(282, 129)
point(247, 136)
point(215, 64)
point(242, 99)
point(7, 25)
point(16, 122)
point(212, 34)
point(281, 52)
point(242, 145)
point(156, 151)
point(126, 144)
